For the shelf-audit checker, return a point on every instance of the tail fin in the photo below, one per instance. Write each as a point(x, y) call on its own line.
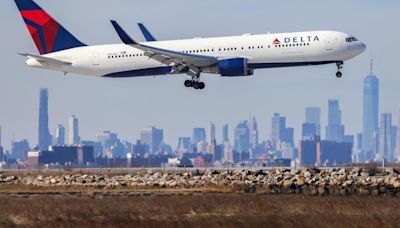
point(48, 35)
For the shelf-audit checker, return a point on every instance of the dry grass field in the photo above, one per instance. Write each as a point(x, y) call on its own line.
point(198, 210)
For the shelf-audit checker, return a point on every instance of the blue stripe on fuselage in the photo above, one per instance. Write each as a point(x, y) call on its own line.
point(167, 69)
point(294, 64)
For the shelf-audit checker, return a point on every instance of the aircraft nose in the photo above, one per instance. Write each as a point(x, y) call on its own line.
point(363, 47)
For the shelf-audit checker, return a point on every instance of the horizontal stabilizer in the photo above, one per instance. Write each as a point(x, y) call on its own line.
point(48, 60)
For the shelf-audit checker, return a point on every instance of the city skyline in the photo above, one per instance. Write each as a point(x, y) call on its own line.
point(278, 132)
point(166, 102)
point(280, 145)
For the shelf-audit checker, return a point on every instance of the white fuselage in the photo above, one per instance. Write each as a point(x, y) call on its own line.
point(261, 51)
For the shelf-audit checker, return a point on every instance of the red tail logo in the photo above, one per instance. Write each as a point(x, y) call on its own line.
point(42, 28)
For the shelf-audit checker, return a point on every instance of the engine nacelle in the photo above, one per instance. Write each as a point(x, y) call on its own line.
point(234, 67)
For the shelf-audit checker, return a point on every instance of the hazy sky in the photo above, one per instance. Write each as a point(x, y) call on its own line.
point(127, 105)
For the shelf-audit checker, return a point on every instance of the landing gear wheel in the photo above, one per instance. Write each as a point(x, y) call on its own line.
point(202, 85)
point(196, 85)
point(188, 83)
point(339, 74)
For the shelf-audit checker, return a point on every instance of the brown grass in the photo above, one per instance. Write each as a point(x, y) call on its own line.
point(199, 210)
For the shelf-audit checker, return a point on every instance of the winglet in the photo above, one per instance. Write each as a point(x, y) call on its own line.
point(122, 34)
point(146, 33)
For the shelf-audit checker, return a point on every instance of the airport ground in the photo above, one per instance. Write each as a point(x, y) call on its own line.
point(198, 210)
point(201, 206)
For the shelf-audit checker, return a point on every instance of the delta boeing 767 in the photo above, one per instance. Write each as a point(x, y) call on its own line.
point(234, 56)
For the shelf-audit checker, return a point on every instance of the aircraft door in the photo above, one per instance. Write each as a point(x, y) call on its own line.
point(329, 44)
point(95, 59)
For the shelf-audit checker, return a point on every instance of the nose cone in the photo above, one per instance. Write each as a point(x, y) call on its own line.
point(363, 47)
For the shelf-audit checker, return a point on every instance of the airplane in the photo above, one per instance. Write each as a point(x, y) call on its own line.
point(234, 56)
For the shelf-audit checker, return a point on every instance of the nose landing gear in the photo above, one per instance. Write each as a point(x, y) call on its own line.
point(339, 67)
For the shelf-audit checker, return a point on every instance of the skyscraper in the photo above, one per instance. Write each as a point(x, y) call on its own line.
point(44, 133)
point(152, 137)
point(242, 137)
point(309, 131)
point(277, 124)
point(398, 140)
point(385, 141)
point(73, 131)
point(279, 131)
point(184, 145)
point(253, 127)
point(335, 129)
point(313, 116)
point(1, 148)
point(370, 113)
point(211, 133)
point(60, 135)
point(19, 149)
point(199, 134)
point(394, 142)
point(225, 133)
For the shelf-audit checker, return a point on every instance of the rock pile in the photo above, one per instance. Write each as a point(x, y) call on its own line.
point(306, 181)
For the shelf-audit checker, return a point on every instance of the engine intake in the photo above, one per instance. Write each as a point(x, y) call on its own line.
point(234, 67)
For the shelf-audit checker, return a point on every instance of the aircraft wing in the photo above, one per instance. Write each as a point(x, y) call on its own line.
point(47, 60)
point(181, 62)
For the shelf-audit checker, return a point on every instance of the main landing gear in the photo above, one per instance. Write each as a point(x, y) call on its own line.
point(339, 67)
point(195, 83)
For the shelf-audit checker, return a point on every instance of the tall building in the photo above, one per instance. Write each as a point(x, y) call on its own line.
point(211, 134)
point(199, 134)
point(253, 127)
point(1, 148)
point(60, 135)
point(398, 140)
point(279, 132)
point(184, 145)
point(394, 142)
point(335, 129)
point(225, 133)
point(152, 137)
point(73, 131)
point(277, 124)
point(19, 149)
point(313, 116)
point(309, 131)
point(44, 133)
point(370, 113)
point(385, 138)
point(242, 137)
point(108, 141)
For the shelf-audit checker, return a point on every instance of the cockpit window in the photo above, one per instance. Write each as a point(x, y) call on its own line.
point(351, 39)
